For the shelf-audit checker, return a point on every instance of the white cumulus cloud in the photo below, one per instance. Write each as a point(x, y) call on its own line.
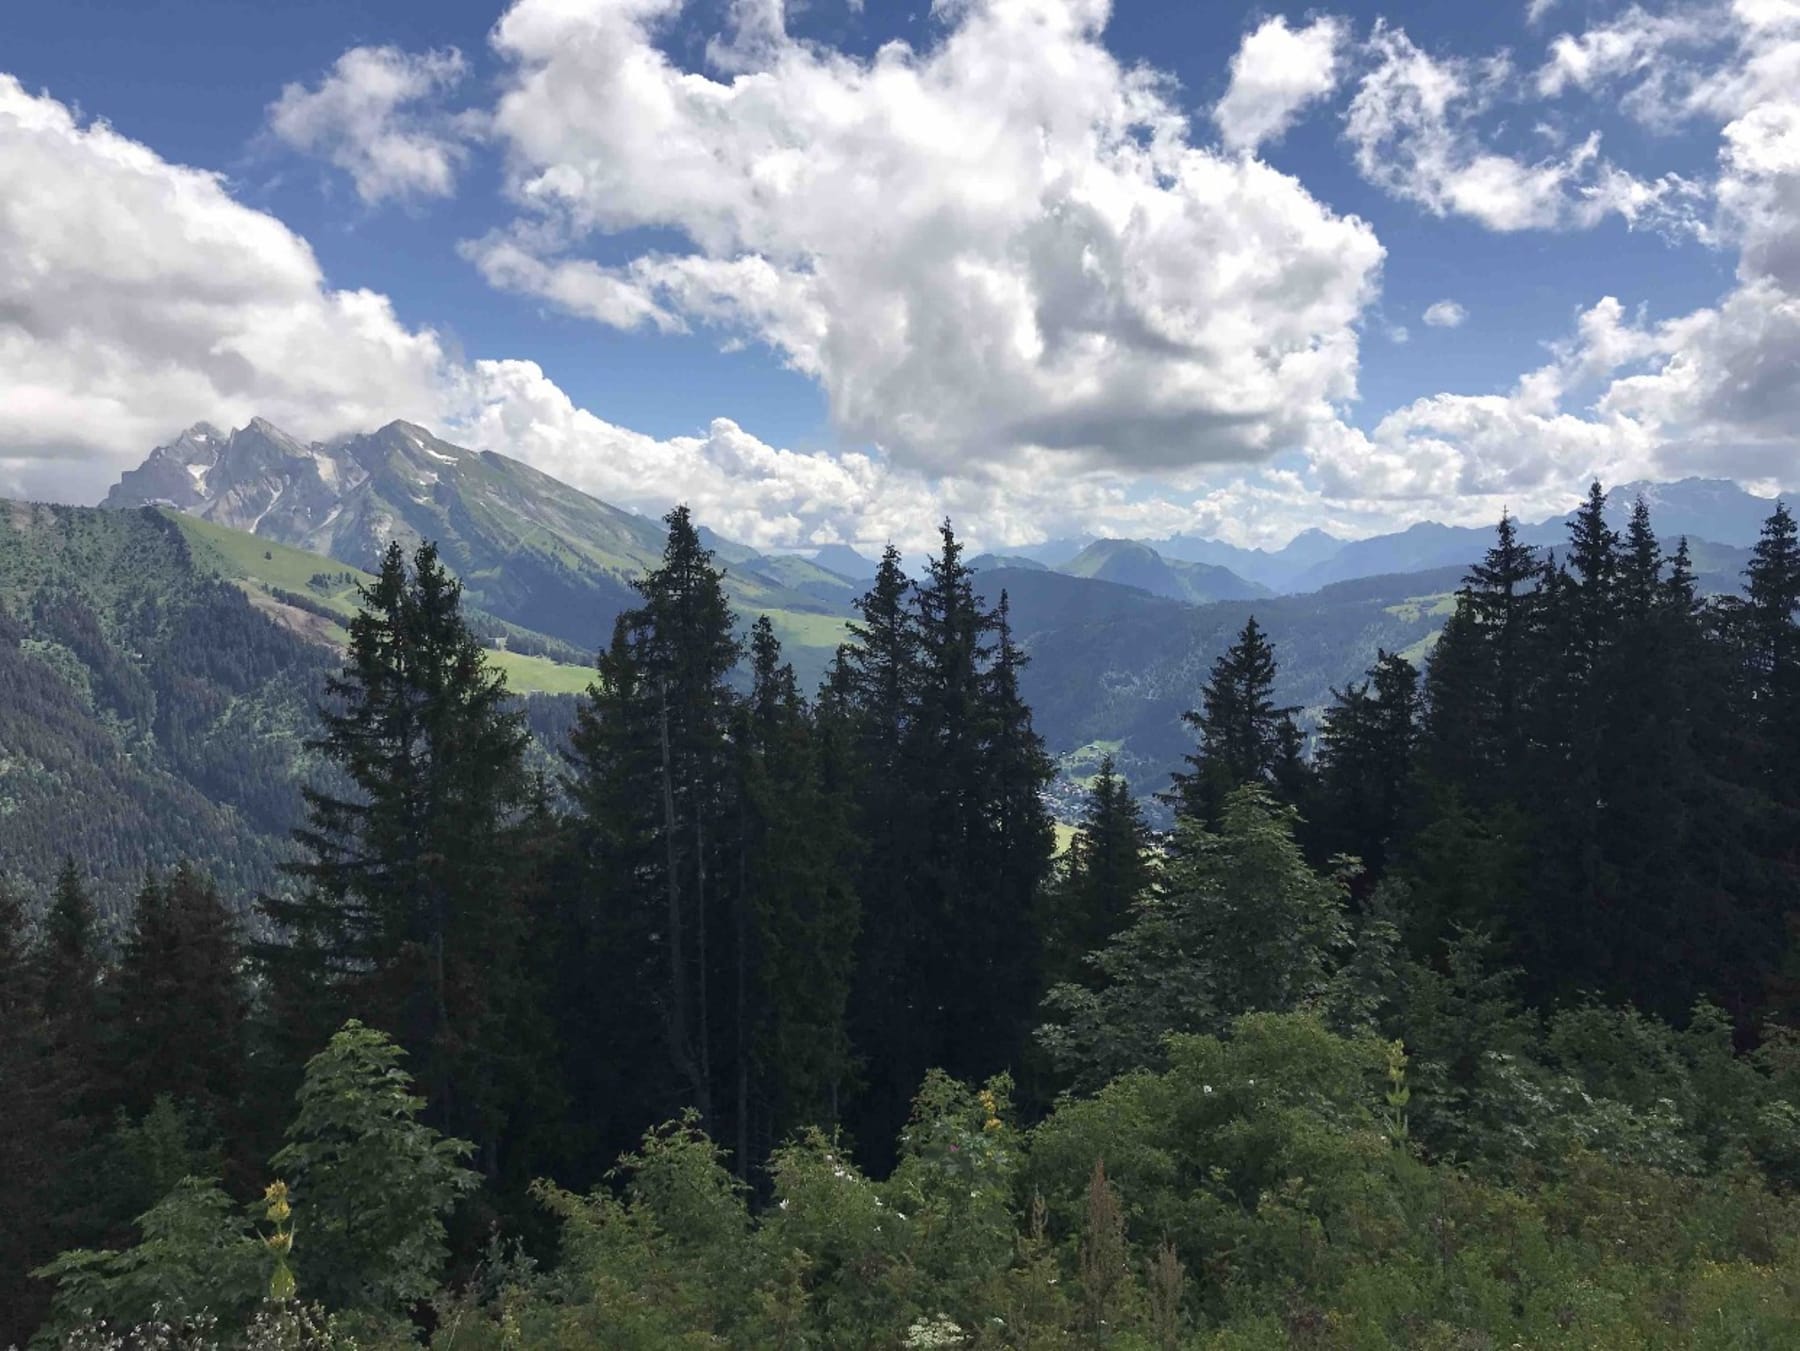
point(137, 296)
point(1000, 242)
point(1414, 126)
point(1445, 314)
point(1275, 74)
point(376, 117)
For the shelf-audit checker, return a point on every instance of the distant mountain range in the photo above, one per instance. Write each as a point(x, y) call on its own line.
point(1709, 512)
point(538, 553)
point(1131, 562)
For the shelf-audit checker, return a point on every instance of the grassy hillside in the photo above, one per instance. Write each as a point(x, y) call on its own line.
point(290, 584)
point(270, 567)
point(297, 587)
point(161, 675)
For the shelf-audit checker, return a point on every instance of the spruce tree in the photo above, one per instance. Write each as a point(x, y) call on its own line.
point(1640, 564)
point(1013, 843)
point(64, 972)
point(32, 1147)
point(1244, 736)
point(613, 966)
point(653, 774)
point(68, 963)
point(798, 917)
point(1503, 596)
point(1455, 749)
point(179, 1003)
point(1772, 648)
point(1109, 866)
point(875, 698)
point(1367, 741)
point(407, 908)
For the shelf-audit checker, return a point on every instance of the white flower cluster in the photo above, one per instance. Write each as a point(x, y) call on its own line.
point(937, 1330)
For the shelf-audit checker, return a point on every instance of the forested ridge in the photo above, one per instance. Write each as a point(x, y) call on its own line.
point(772, 1017)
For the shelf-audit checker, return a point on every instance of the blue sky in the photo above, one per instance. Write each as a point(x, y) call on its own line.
point(1175, 278)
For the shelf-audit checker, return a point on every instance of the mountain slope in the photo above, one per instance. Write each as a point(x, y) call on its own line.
point(1115, 668)
point(1273, 568)
point(158, 677)
point(529, 549)
point(1128, 562)
point(150, 712)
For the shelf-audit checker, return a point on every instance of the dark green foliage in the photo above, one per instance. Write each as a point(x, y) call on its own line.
point(1771, 642)
point(407, 914)
point(1367, 740)
point(956, 840)
point(1109, 867)
point(798, 911)
point(179, 1005)
point(151, 714)
point(371, 1181)
point(1244, 736)
point(1240, 923)
point(653, 781)
point(1602, 732)
point(32, 1121)
point(195, 1255)
point(1513, 1075)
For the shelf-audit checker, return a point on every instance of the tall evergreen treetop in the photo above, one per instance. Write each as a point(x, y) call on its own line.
point(1640, 562)
point(180, 1000)
point(881, 660)
point(1772, 585)
point(407, 874)
point(1244, 736)
point(1108, 867)
point(68, 955)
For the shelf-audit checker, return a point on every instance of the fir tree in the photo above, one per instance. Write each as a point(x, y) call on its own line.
point(1367, 741)
point(1109, 867)
point(407, 903)
point(64, 972)
point(32, 1131)
point(1772, 647)
point(653, 773)
point(1484, 702)
point(179, 1002)
point(68, 963)
point(1640, 564)
point(1013, 842)
point(799, 916)
point(613, 965)
point(1244, 736)
point(875, 701)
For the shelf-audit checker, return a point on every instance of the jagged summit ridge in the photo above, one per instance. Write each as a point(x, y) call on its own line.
point(530, 549)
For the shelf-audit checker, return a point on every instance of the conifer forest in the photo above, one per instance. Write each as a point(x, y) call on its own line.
point(766, 1011)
